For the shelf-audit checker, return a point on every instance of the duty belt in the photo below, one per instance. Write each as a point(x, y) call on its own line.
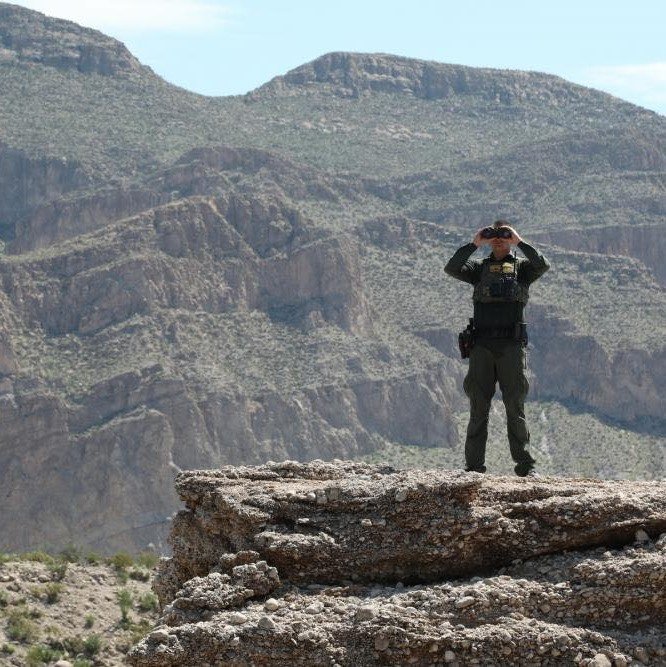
point(501, 332)
point(517, 331)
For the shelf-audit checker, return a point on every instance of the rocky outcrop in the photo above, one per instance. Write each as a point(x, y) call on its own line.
point(81, 488)
point(26, 182)
point(645, 242)
point(64, 218)
point(627, 384)
point(54, 202)
point(339, 548)
point(211, 255)
point(352, 74)
point(30, 37)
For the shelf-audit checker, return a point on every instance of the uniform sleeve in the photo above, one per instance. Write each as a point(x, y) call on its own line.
point(461, 267)
point(535, 266)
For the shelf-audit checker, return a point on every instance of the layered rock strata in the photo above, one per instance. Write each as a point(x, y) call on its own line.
point(562, 571)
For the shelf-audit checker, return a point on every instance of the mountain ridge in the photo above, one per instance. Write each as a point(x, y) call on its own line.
point(30, 37)
point(358, 72)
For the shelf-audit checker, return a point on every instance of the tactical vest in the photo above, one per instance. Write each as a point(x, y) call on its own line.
point(499, 283)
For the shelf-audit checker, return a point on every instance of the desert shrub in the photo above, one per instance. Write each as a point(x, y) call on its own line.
point(52, 592)
point(4, 599)
point(7, 649)
point(58, 569)
point(93, 558)
point(121, 560)
point(73, 645)
point(148, 602)
point(71, 554)
point(125, 600)
point(89, 621)
point(147, 559)
point(20, 628)
point(37, 557)
point(92, 645)
point(82, 662)
point(41, 655)
point(139, 575)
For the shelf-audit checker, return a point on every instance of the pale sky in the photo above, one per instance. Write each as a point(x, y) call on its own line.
point(229, 47)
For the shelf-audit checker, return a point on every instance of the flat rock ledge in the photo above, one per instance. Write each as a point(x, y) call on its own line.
point(351, 564)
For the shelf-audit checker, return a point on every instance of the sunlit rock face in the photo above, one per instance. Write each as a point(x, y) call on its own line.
point(293, 563)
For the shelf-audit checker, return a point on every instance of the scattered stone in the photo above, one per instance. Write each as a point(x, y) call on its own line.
point(267, 623)
point(271, 604)
point(236, 618)
point(315, 608)
point(464, 602)
point(366, 613)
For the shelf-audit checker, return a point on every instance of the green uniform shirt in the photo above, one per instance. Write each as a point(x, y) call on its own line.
point(497, 315)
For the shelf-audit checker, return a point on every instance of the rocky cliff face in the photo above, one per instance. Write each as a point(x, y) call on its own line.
point(643, 241)
point(30, 37)
point(317, 564)
point(195, 257)
point(351, 74)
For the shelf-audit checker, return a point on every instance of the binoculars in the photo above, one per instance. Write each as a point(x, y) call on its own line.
point(492, 233)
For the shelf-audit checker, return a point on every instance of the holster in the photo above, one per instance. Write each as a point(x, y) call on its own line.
point(466, 340)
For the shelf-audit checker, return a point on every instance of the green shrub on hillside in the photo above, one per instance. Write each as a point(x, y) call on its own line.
point(20, 628)
point(148, 602)
point(41, 655)
point(58, 569)
point(147, 559)
point(37, 557)
point(71, 554)
point(125, 600)
point(120, 560)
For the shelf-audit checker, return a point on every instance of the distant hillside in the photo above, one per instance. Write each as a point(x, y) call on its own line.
point(192, 281)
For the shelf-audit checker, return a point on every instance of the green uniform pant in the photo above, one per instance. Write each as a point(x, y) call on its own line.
point(493, 361)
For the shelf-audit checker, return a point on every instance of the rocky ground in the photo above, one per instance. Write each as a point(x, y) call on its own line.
point(351, 564)
point(72, 614)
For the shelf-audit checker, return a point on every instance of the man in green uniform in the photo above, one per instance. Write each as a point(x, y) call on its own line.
point(501, 283)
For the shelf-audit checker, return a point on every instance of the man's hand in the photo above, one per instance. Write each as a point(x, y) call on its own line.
point(479, 240)
point(515, 237)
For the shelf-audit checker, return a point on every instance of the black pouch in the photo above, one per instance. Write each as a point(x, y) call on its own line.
point(520, 333)
point(466, 340)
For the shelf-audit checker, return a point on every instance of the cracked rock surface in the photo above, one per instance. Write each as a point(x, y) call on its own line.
point(351, 564)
